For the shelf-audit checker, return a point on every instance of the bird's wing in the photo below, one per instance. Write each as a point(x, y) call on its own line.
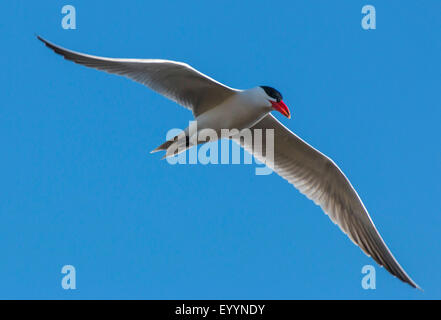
point(175, 80)
point(319, 178)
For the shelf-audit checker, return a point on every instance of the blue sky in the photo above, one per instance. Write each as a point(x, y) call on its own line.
point(78, 185)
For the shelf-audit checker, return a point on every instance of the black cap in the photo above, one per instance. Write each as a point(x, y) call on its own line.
point(273, 93)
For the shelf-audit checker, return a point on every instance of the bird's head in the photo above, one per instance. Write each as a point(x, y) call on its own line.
point(275, 98)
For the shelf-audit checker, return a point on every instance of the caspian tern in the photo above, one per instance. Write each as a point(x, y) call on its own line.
point(217, 106)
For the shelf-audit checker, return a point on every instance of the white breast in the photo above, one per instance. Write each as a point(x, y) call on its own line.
point(240, 111)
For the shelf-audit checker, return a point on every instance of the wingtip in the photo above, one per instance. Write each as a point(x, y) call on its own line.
point(412, 283)
point(39, 38)
point(48, 44)
point(45, 42)
point(418, 287)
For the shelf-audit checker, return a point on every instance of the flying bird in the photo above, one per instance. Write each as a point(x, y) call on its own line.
point(217, 106)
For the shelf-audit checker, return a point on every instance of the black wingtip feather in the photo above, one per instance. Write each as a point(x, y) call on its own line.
point(41, 39)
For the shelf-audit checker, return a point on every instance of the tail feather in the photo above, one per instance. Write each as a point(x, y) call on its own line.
point(182, 144)
point(163, 147)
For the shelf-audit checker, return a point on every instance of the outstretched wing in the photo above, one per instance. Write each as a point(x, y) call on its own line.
point(175, 80)
point(321, 180)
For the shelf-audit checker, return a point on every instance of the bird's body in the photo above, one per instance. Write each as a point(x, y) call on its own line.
point(216, 106)
point(247, 106)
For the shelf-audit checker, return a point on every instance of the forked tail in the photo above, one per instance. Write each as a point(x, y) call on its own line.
point(175, 146)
